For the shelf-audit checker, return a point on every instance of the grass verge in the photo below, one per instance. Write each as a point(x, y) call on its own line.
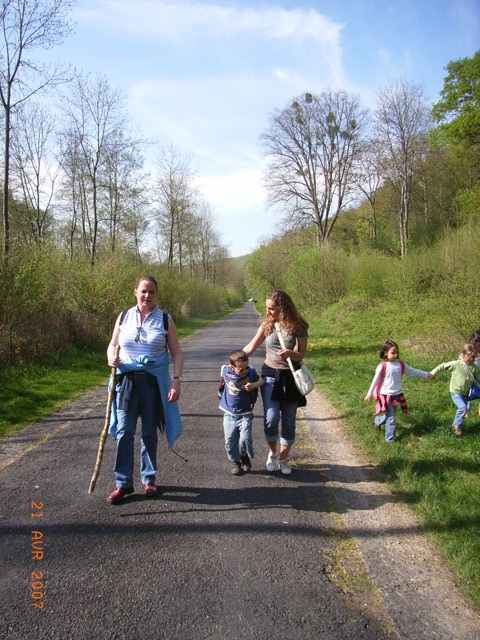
point(437, 475)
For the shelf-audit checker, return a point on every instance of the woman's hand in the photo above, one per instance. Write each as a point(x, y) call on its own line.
point(112, 355)
point(174, 391)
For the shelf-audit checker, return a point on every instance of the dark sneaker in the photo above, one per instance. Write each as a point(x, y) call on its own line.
point(236, 468)
point(246, 463)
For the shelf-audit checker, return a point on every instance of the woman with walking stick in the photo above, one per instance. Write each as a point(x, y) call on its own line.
point(279, 393)
point(144, 387)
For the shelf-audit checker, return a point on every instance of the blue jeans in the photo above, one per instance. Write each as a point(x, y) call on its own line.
point(238, 436)
point(462, 403)
point(141, 404)
point(390, 422)
point(271, 417)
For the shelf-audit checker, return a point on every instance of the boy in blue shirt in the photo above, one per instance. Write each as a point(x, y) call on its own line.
point(240, 391)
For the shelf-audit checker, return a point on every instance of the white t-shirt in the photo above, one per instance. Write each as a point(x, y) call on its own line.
point(392, 383)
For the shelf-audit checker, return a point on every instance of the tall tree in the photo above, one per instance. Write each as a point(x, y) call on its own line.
point(402, 125)
point(458, 111)
point(368, 176)
point(34, 169)
point(311, 146)
point(95, 149)
point(175, 196)
point(124, 198)
point(26, 25)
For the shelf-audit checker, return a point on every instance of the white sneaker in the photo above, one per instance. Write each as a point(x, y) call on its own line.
point(284, 467)
point(271, 461)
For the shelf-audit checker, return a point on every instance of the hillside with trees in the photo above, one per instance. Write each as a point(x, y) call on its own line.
point(379, 208)
point(83, 218)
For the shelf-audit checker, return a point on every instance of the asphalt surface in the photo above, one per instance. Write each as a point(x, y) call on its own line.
point(215, 556)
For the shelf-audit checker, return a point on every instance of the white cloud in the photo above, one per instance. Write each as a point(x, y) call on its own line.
point(238, 201)
point(175, 20)
point(237, 192)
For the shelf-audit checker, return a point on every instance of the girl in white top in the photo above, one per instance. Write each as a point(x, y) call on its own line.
point(386, 386)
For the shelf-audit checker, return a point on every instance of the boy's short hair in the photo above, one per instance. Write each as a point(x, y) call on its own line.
point(238, 355)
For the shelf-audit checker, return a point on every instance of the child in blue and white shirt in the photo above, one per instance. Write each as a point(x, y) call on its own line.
point(240, 391)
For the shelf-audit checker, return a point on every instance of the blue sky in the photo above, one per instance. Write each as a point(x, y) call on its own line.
point(206, 76)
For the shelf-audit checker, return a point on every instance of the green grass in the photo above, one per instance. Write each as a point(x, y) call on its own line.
point(434, 473)
point(29, 392)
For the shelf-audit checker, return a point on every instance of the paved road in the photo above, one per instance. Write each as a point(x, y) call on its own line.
point(258, 556)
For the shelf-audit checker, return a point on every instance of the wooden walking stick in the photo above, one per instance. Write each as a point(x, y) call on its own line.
point(104, 433)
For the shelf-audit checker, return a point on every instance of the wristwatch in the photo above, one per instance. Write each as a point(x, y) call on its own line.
point(177, 378)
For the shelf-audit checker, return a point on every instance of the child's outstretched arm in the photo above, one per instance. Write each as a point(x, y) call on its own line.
point(417, 373)
point(444, 366)
point(250, 386)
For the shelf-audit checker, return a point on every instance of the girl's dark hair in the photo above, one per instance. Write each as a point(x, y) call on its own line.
point(290, 317)
point(475, 337)
point(387, 345)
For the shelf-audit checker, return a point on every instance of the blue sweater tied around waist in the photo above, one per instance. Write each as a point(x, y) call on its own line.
point(169, 419)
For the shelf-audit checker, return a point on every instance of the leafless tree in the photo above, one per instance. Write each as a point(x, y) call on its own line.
point(175, 196)
point(311, 146)
point(34, 168)
point(124, 198)
point(26, 25)
point(100, 161)
point(402, 122)
point(206, 244)
point(368, 175)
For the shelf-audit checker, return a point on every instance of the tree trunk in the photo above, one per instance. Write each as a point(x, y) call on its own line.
point(6, 171)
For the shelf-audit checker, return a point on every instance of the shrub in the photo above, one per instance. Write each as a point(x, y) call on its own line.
point(317, 276)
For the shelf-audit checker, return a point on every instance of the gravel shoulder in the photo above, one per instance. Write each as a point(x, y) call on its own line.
point(419, 592)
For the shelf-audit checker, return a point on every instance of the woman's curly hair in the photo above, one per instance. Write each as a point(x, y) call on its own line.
point(289, 317)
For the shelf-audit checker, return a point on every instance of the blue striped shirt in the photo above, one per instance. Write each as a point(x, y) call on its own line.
point(137, 339)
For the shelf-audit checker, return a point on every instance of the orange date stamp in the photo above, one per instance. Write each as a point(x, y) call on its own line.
point(37, 578)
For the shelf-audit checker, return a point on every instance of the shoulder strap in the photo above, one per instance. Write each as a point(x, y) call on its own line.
point(250, 373)
point(122, 316)
point(282, 344)
point(381, 379)
point(402, 366)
